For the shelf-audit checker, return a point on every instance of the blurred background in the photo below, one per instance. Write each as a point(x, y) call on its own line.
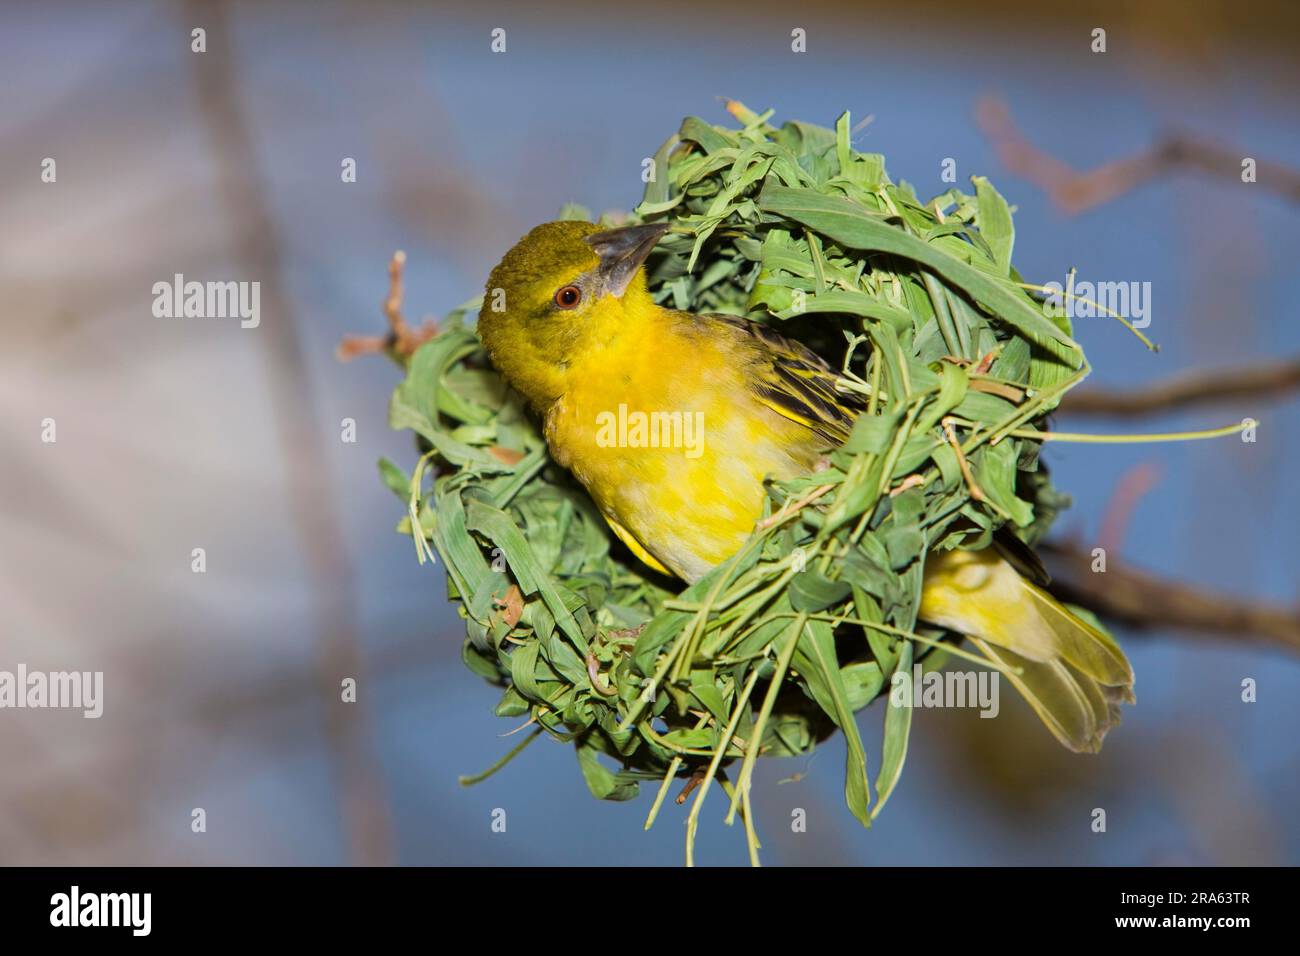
point(222, 688)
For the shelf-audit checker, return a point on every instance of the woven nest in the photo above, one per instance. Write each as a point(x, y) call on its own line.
point(919, 306)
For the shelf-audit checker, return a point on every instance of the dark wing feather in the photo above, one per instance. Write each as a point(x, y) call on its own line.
point(1021, 557)
point(794, 381)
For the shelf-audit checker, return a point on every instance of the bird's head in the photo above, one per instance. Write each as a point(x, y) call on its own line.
point(565, 288)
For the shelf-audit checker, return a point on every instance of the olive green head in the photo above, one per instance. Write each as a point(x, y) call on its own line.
point(560, 290)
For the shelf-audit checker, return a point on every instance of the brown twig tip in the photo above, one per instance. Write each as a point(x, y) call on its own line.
point(402, 340)
point(911, 481)
point(693, 781)
point(350, 346)
point(393, 301)
point(1075, 191)
point(790, 508)
point(598, 684)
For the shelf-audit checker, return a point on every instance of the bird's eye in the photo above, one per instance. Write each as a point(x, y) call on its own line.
point(568, 297)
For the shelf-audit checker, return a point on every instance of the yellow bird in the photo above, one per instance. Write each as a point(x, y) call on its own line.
point(672, 420)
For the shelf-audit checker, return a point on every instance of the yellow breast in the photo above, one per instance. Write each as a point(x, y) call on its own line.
point(666, 437)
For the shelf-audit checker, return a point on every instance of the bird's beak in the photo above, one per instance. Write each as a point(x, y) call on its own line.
point(622, 251)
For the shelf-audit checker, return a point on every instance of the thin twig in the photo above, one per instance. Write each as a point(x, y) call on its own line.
point(402, 340)
point(1074, 191)
point(1267, 380)
point(976, 492)
point(593, 673)
point(791, 508)
point(693, 781)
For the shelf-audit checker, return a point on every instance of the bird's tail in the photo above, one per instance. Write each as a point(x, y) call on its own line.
point(1073, 675)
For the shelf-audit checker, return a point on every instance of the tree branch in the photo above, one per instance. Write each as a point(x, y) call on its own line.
point(1268, 380)
point(1143, 601)
point(1074, 191)
point(313, 501)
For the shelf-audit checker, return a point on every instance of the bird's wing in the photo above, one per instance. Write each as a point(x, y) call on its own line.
point(793, 381)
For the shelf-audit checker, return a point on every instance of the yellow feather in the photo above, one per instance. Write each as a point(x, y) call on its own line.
point(1073, 675)
point(635, 546)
